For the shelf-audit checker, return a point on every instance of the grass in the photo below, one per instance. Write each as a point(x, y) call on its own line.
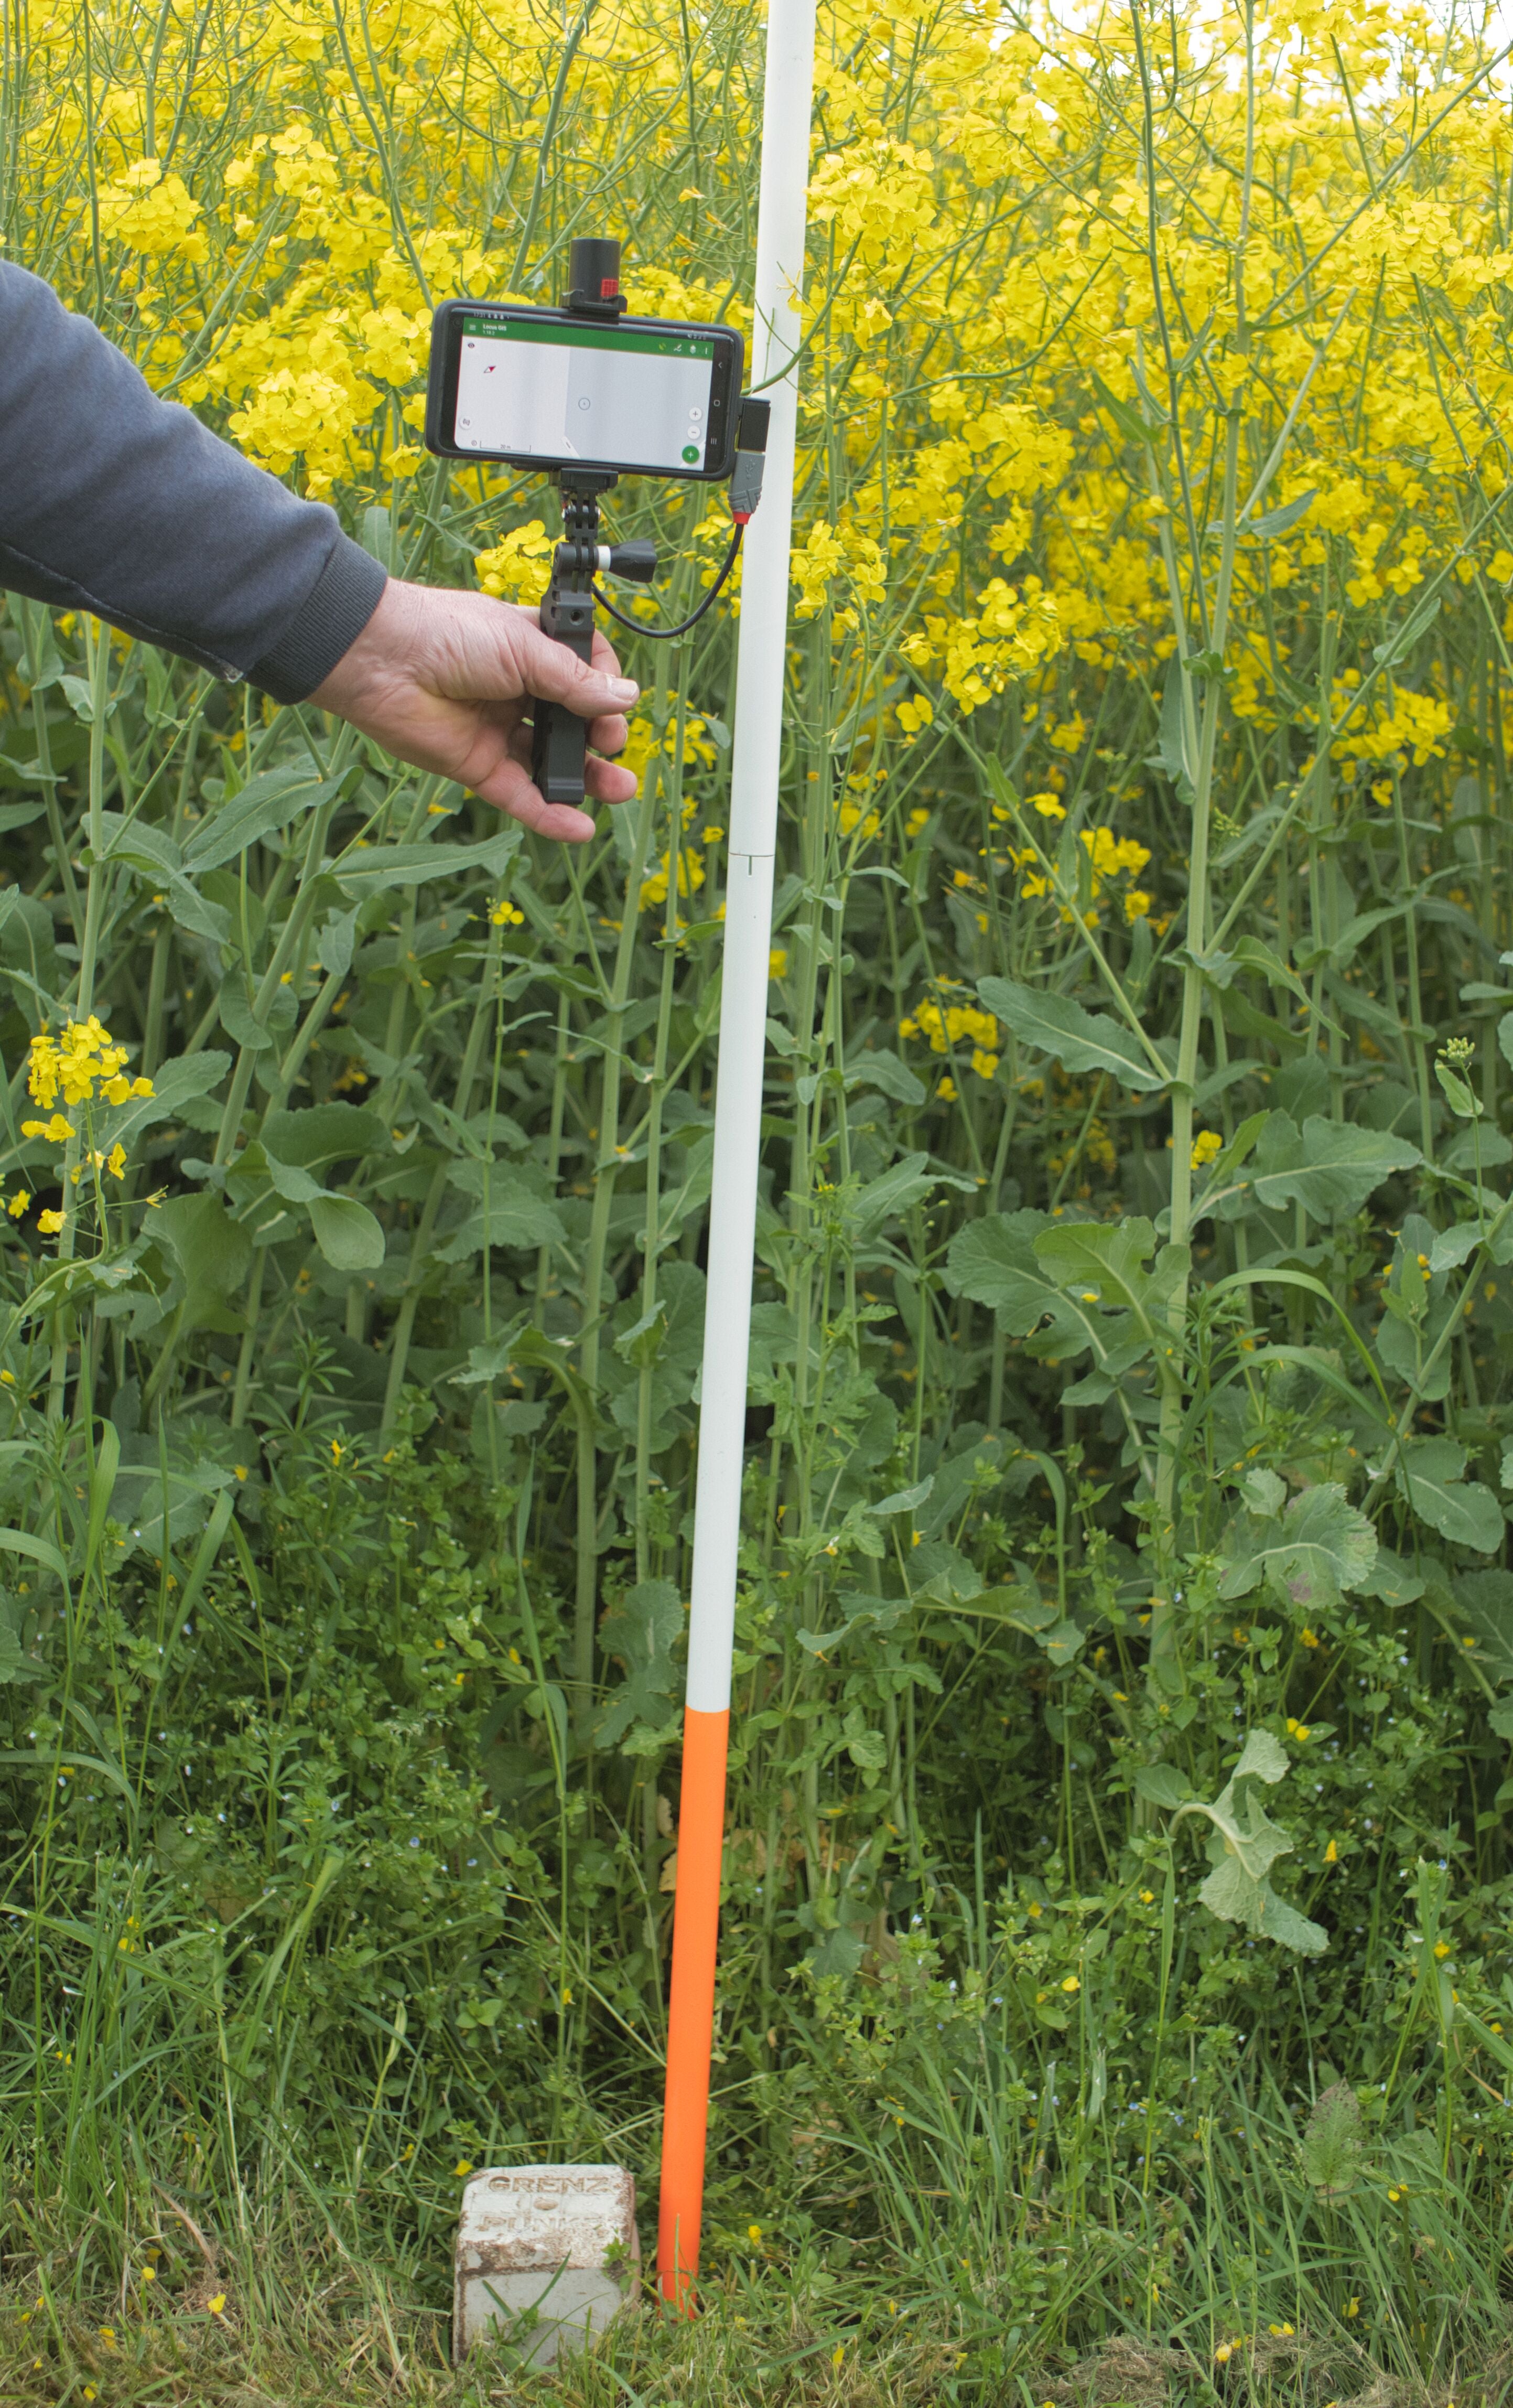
point(311, 2332)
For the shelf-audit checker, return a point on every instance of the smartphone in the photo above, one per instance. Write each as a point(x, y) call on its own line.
point(544, 389)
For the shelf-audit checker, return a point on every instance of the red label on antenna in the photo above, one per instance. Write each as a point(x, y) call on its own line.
point(608, 287)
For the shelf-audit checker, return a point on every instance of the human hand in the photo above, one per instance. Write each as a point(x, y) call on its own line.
point(442, 679)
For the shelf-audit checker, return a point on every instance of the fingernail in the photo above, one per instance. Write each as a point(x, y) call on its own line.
point(624, 689)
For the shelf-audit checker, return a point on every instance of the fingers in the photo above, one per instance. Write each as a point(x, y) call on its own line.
point(607, 781)
point(558, 675)
point(606, 658)
point(509, 787)
point(610, 735)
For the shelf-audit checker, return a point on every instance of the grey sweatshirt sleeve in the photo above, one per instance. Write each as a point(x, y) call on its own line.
point(116, 502)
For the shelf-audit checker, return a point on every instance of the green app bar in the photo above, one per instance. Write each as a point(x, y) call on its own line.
point(586, 337)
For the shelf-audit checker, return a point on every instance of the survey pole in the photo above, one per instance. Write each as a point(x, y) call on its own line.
point(757, 743)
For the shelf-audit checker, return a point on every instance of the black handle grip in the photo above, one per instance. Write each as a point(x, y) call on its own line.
point(560, 742)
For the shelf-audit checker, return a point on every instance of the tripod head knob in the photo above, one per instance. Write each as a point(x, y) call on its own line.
point(593, 278)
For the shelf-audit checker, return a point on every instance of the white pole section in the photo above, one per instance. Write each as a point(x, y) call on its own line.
point(756, 741)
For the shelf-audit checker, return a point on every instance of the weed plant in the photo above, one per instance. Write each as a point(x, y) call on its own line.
point(1116, 1952)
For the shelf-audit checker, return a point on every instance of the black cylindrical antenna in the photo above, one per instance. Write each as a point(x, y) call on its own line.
point(593, 278)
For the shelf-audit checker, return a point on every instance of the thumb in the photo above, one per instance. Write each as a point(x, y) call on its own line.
point(557, 675)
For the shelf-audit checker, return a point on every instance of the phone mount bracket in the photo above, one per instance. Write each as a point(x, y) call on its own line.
point(560, 740)
point(559, 746)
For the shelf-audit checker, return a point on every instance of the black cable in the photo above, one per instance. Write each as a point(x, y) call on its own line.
point(663, 635)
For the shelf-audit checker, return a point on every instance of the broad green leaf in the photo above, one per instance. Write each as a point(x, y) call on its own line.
point(210, 1251)
point(889, 1075)
point(907, 1182)
point(28, 953)
point(336, 943)
point(1105, 1266)
point(643, 1631)
point(1320, 1545)
point(348, 1234)
point(1080, 1041)
point(1243, 1848)
point(1172, 755)
point(1333, 2142)
point(1429, 1473)
point(175, 1085)
point(1163, 1786)
point(516, 1218)
point(1452, 1247)
point(1390, 1579)
point(641, 1345)
point(1327, 1169)
point(237, 1018)
point(1484, 1601)
point(1251, 954)
point(266, 802)
point(367, 869)
point(993, 1261)
point(324, 1133)
point(866, 1748)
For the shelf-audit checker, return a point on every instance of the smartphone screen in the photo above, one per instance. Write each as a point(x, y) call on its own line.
point(649, 396)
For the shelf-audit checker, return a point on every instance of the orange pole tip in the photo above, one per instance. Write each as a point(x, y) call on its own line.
point(690, 2015)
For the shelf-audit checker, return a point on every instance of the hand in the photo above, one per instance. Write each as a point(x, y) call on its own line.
point(442, 680)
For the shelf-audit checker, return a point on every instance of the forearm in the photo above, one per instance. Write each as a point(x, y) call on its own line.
point(115, 502)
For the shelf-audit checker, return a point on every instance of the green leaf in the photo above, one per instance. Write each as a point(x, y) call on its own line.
point(325, 1133)
point(1430, 1476)
point(1484, 1601)
point(336, 943)
point(889, 1075)
point(1318, 1547)
point(237, 1016)
point(1124, 414)
point(1251, 954)
point(175, 1084)
point(1462, 1103)
point(266, 802)
point(1080, 1041)
point(519, 1218)
point(41, 1551)
point(1332, 2149)
point(881, 1201)
point(1243, 1848)
point(643, 1631)
point(1281, 520)
point(1390, 1579)
point(642, 1343)
point(1163, 1786)
point(1171, 756)
point(866, 1748)
point(1402, 640)
point(210, 1251)
point(993, 1261)
point(1329, 1167)
point(365, 870)
point(348, 1234)
point(1104, 1266)
point(28, 955)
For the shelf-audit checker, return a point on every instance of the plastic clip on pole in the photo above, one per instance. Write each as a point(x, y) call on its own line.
point(753, 823)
